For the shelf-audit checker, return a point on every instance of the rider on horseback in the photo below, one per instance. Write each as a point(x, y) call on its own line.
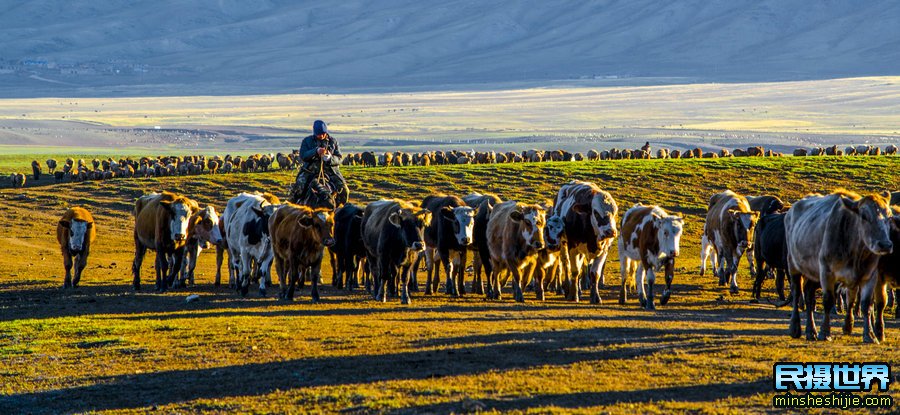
point(321, 167)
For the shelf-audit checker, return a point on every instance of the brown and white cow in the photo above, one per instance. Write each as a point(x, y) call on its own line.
point(204, 228)
point(393, 234)
point(590, 215)
point(727, 234)
point(161, 224)
point(299, 237)
point(515, 234)
point(835, 238)
point(648, 243)
point(75, 234)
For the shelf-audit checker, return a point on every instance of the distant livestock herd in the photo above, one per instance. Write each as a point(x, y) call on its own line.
point(72, 170)
point(841, 243)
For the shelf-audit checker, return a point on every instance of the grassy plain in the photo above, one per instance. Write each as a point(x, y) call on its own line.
point(106, 349)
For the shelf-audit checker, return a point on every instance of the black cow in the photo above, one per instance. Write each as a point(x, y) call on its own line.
point(348, 245)
point(393, 236)
point(770, 250)
point(482, 258)
point(450, 232)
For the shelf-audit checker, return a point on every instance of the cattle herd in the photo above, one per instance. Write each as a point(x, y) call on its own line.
point(841, 243)
point(128, 167)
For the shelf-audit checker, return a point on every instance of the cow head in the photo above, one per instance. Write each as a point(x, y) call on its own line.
point(462, 219)
point(668, 233)
point(180, 212)
point(743, 224)
point(553, 232)
point(411, 226)
point(78, 230)
point(322, 222)
point(205, 227)
point(532, 220)
point(875, 216)
point(257, 229)
point(603, 214)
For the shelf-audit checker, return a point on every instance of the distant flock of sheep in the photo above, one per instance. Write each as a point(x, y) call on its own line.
point(160, 166)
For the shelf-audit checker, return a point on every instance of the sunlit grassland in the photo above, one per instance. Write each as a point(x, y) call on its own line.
point(104, 348)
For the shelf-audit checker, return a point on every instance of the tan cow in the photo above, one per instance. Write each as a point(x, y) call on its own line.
point(649, 241)
point(299, 237)
point(75, 233)
point(161, 224)
point(727, 234)
point(515, 234)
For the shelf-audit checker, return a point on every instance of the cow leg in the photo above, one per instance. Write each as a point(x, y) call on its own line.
point(246, 269)
point(336, 280)
point(848, 316)
point(404, 285)
point(809, 294)
point(704, 253)
point(194, 254)
point(381, 280)
point(220, 255)
point(540, 275)
point(429, 270)
point(867, 292)
point(162, 270)
point(80, 265)
point(139, 251)
point(879, 297)
point(477, 284)
point(517, 283)
point(750, 258)
point(414, 273)
point(827, 309)
point(758, 275)
point(316, 271)
point(640, 277)
point(733, 264)
point(897, 304)
point(293, 273)
point(796, 281)
point(596, 272)
point(460, 267)
point(650, 279)
point(177, 264)
point(448, 268)
point(779, 283)
point(265, 274)
point(625, 272)
point(67, 263)
point(282, 278)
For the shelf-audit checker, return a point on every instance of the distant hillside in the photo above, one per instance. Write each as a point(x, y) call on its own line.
point(87, 47)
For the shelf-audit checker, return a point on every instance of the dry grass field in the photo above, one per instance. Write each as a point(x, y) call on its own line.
point(103, 348)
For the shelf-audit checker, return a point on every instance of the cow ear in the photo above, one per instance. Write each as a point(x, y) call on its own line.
point(425, 214)
point(447, 212)
point(305, 221)
point(65, 224)
point(90, 225)
point(517, 215)
point(394, 218)
point(258, 210)
point(850, 204)
point(581, 209)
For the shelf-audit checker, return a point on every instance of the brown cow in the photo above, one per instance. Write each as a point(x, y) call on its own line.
point(160, 224)
point(75, 233)
point(728, 233)
point(831, 239)
point(515, 234)
point(299, 237)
